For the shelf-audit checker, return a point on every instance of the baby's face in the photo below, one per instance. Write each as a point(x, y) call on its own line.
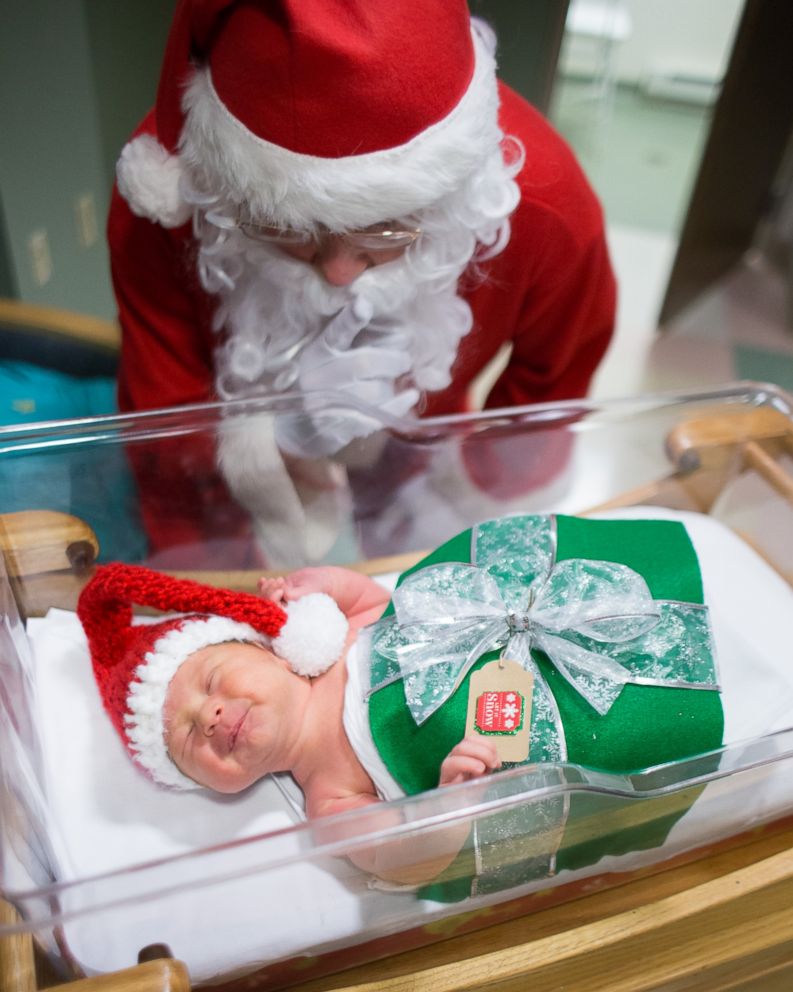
point(231, 715)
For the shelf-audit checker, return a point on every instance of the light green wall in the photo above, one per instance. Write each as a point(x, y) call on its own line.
point(50, 150)
point(126, 40)
point(75, 77)
point(7, 280)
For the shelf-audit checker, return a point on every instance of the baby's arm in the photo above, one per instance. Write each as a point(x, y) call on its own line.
point(414, 859)
point(355, 594)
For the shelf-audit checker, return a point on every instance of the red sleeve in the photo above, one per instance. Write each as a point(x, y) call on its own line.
point(550, 295)
point(556, 269)
point(189, 516)
point(166, 348)
point(566, 319)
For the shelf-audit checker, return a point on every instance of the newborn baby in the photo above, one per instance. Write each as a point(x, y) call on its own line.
point(236, 712)
point(251, 686)
point(602, 625)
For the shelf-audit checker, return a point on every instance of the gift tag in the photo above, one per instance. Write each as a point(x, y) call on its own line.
point(499, 706)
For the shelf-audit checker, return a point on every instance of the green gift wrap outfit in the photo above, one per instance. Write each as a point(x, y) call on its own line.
point(608, 616)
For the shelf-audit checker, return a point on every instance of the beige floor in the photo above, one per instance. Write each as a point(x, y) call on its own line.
point(642, 158)
point(737, 330)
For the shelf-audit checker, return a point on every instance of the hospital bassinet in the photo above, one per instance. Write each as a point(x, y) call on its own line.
point(96, 868)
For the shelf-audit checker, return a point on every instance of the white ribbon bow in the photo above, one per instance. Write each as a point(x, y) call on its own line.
point(449, 615)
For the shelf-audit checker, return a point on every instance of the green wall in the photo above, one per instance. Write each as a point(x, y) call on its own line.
point(7, 280)
point(75, 78)
point(50, 151)
point(529, 38)
point(126, 39)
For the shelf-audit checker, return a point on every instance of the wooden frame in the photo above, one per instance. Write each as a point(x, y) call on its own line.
point(722, 921)
point(78, 328)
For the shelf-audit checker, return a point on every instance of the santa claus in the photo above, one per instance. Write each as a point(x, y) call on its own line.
point(339, 195)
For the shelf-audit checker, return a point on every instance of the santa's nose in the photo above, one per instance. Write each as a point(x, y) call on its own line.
point(339, 263)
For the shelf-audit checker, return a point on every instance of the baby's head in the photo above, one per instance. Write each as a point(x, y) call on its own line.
point(150, 675)
point(232, 714)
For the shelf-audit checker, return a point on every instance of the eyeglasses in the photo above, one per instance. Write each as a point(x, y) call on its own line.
point(383, 237)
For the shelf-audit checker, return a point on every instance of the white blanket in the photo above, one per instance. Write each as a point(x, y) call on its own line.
point(106, 816)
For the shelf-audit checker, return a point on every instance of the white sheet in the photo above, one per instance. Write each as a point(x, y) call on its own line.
point(106, 815)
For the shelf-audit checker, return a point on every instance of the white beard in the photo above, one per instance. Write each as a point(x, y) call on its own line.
point(376, 344)
point(381, 341)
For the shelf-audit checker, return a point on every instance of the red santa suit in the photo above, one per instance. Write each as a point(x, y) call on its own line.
point(549, 294)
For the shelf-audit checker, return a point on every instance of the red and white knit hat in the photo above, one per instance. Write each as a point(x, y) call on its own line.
point(134, 665)
point(339, 112)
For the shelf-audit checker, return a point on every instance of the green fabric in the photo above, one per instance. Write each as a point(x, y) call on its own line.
point(659, 550)
point(596, 825)
point(414, 754)
point(600, 825)
point(647, 724)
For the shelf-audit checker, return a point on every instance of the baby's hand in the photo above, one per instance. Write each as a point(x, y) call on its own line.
point(273, 588)
point(472, 757)
point(287, 588)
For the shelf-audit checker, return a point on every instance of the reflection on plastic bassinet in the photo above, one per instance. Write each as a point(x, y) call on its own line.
point(250, 896)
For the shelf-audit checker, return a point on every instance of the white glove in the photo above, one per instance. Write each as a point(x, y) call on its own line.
point(297, 517)
point(366, 372)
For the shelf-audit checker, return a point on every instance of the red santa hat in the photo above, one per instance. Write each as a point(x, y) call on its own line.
point(134, 665)
point(338, 112)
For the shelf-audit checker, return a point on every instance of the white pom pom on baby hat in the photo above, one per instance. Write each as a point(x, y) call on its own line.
point(313, 637)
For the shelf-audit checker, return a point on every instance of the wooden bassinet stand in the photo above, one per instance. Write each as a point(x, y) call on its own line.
point(719, 922)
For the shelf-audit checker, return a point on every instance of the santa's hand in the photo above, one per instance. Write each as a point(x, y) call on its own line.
point(342, 330)
point(367, 372)
point(473, 757)
point(334, 360)
point(322, 431)
point(326, 367)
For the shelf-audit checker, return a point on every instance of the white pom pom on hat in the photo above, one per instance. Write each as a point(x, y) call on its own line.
point(313, 637)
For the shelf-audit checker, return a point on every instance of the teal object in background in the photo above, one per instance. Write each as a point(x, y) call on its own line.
point(93, 483)
point(761, 365)
point(30, 394)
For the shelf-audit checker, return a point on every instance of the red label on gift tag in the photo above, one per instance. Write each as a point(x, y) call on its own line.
point(499, 712)
point(499, 706)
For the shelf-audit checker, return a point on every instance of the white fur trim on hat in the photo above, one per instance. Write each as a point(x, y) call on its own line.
point(145, 728)
point(292, 189)
point(313, 637)
point(148, 178)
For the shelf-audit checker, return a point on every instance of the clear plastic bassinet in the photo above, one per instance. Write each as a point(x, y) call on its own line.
point(97, 864)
